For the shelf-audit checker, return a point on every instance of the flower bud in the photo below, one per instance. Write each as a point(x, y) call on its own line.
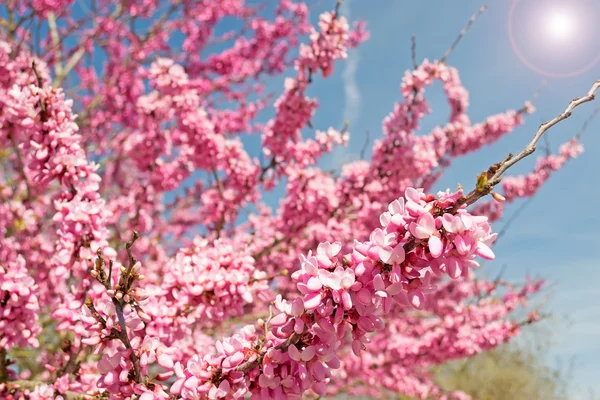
point(498, 197)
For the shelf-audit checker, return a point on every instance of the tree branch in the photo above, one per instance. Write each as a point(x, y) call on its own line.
point(462, 33)
point(492, 177)
point(58, 69)
point(413, 51)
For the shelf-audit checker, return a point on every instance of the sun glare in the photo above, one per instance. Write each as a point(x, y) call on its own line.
point(560, 25)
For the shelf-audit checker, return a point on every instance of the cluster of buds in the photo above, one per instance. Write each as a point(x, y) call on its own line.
point(124, 289)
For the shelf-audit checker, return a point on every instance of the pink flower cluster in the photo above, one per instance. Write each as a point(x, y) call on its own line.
point(423, 154)
point(527, 185)
point(48, 133)
point(343, 298)
point(49, 139)
point(325, 46)
point(19, 306)
point(282, 140)
point(204, 285)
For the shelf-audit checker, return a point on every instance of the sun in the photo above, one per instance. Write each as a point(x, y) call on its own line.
point(559, 25)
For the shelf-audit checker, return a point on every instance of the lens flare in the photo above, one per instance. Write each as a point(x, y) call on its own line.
point(560, 25)
point(557, 34)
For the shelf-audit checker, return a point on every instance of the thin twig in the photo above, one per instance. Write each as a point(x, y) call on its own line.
point(221, 223)
point(530, 148)
point(462, 33)
point(513, 218)
point(547, 146)
point(587, 123)
point(365, 145)
point(248, 365)
point(499, 276)
point(125, 284)
point(493, 176)
point(539, 91)
point(264, 170)
point(413, 51)
point(40, 83)
point(130, 256)
point(21, 164)
point(518, 212)
point(527, 108)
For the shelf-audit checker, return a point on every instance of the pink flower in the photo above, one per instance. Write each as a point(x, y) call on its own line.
point(425, 228)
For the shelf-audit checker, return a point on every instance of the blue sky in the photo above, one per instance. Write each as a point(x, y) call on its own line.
point(555, 237)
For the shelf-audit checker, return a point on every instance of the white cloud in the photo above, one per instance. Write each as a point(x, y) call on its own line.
point(351, 90)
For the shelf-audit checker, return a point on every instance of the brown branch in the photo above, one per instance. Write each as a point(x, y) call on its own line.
point(135, 236)
point(512, 219)
point(268, 249)
point(337, 8)
point(266, 169)
point(40, 84)
point(137, 375)
point(248, 365)
point(125, 282)
point(3, 366)
point(89, 303)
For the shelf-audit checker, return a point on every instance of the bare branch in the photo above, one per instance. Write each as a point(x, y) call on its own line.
point(528, 107)
point(58, 69)
point(462, 33)
point(547, 146)
point(513, 218)
point(73, 61)
point(413, 51)
point(587, 123)
point(530, 148)
point(365, 145)
point(492, 177)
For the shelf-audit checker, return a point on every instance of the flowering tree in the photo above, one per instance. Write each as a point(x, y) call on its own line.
point(137, 259)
